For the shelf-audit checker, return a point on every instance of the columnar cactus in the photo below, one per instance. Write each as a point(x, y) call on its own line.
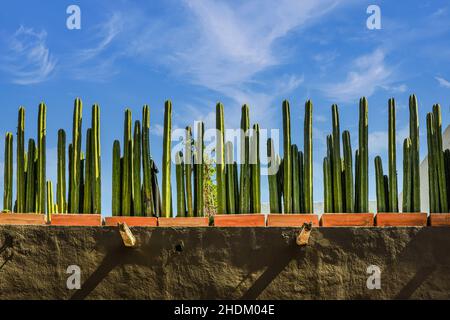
point(50, 204)
point(255, 171)
point(220, 160)
point(380, 186)
point(188, 172)
point(287, 161)
point(415, 149)
point(199, 169)
point(433, 180)
point(116, 180)
point(273, 167)
point(181, 198)
point(96, 161)
point(127, 173)
point(301, 180)
point(245, 182)
point(336, 161)
point(61, 179)
point(236, 187)
point(363, 156)
point(393, 190)
point(308, 157)
point(166, 163)
point(348, 172)
point(357, 182)
point(137, 199)
point(407, 178)
point(8, 173)
point(229, 176)
point(31, 177)
point(20, 167)
point(147, 194)
point(41, 169)
point(439, 156)
point(327, 187)
point(87, 191)
point(295, 179)
point(74, 188)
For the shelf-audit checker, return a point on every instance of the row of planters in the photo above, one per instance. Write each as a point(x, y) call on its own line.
point(236, 196)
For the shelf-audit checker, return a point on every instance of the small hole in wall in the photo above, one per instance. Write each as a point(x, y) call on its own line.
point(179, 247)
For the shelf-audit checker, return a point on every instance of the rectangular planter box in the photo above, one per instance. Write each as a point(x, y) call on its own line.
point(70, 219)
point(347, 220)
point(183, 222)
point(240, 220)
point(440, 219)
point(291, 220)
point(132, 221)
point(22, 219)
point(401, 219)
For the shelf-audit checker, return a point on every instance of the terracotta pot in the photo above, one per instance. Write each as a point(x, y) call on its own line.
point(291, 220)
point(70, 219)
point(401, 219)
point(22, 219)
point(132, 221)
point(240, 220)
point(183, 222)
point(439, 219)
point(347, 220)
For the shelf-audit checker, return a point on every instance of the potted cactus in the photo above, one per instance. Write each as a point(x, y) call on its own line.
point(386, 185)
point(300, 191)
point(345, 202)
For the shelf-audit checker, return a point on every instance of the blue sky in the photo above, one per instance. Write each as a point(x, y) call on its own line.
point(196, 53)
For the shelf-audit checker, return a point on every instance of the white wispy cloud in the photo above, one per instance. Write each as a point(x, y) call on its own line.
point(443, 82)
point(27, 58)
point(378, 140)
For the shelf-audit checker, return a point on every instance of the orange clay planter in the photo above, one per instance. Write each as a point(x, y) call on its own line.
point(132, 221)
point(401, 219)
point(183, 222)
point(347, 220)
point(22, 219)
point(291, 220)
point(240, 220)
point(439, 219)
point(70, 219)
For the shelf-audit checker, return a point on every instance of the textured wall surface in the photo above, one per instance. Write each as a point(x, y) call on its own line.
point(224, 263)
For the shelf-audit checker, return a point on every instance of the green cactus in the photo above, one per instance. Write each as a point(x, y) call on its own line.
point(220, 160)
point(87, 191)
point(181, 198)
point(245, 182)
point(301, 178)
point(308, 158)
point(61, 181)
point(31, 177)
point(363, 156)
point(381, 194)
point(295, 180)
point(50, 204)
point(407, 179)
point(287, 161)
point(392, 153)
point(439, 159)
point(116, 180)
point(348, 172)
point(336, 162)
point(447, 170)
point(95, 160)
point(236, 187)
point(357, 182)
point(328, 186)
point(433, 170)
point(41, 169)
point(199, 169)
point(127, 173)
point(255, 170)
point(415, 149)
point(229, 175)
point(82, 181)
point(74, 188)
point(147, 193)
point(166, 162)
point(137, 199)
point(20, 167)
point(155, 189)
point(188, 172)
point(8, 173)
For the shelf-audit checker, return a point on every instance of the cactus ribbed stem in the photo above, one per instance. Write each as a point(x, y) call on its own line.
point(82, 181)
point(245, 189)
point(255, 171)
point(439, 159)
point(336, 162)
point(87, 192)
point(31, 177)
point(295, 180)
point(220, 160)
point(287, 162)
point(415, 149)
point(61, 182)
point(308, 158)
point(75, 161)
point(155, 189)
point(327, 189)
point(230, 193)
point(20, 167)
point(407, 179)
point(392, 153)
point(357, 182)
point(95, 161)
point(301, 172)
point(147, 193)
point(50, 205)
point(363, 155)
point(348, 172)
point(8, 173)
point(381, 195)
point(41, 168)
point(236, 187)
point(447, 170)
point(127, 180)
point(179, 171)
point(188, 172)
point(433, 179)
point(116, 180)
point(166, 162)
point(137, 192)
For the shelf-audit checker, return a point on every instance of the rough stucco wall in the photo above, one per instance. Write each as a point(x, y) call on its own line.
point(224, 263)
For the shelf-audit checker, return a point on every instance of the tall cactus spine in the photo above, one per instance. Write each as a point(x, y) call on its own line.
point(380, 187)
point(245, 189)
point(407, 179)
point(415, 149)
point(41, 168)
point(31, 177)
point(95, 161)
point(336, 162)
point(137, 194)
point(181, 195)
point(439, 159)
point(392, 154)
point(127, 180)
point(188, 172)
point(8, 173)
point(61, 179)
point(363, 155)
point(20, 166)
point(75, 161)
point(348, 172)
point(308, 158)
point(166, 161)
point(295, 180)
point(116, 180)
point(220, 160)
point(255, 171)
point(229, 170)
point(287, 161)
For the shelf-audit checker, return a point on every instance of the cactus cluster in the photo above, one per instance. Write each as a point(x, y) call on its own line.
point(133, 193)
point(344, 192)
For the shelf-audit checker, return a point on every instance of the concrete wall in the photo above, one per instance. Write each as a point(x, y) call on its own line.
point(224, 263)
